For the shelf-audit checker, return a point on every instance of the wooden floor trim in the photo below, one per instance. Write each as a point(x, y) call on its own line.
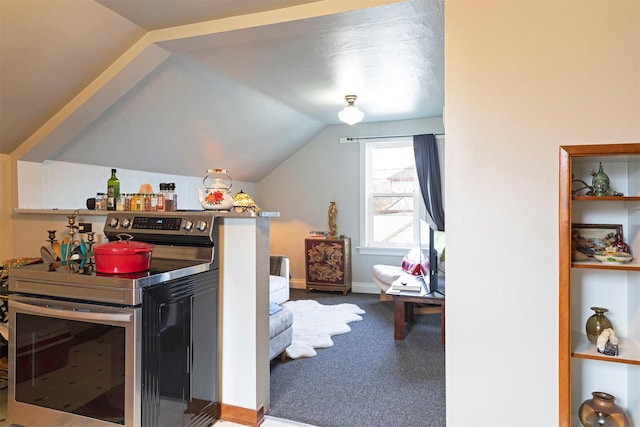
point(244, 416)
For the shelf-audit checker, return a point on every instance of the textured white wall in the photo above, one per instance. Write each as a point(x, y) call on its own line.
point(62, 185)
point(522, 78)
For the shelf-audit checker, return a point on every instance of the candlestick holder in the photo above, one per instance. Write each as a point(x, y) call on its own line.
point(52, 236)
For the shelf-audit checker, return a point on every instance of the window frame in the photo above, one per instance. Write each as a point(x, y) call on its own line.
point(366, 246)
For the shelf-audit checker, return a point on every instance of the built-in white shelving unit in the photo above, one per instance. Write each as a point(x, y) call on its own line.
point(590, 283)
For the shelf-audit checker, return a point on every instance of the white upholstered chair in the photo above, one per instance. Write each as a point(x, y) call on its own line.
point(280, 319)
point(279, 279)
point(384, 276)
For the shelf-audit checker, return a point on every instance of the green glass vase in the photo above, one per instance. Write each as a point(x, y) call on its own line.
point(597, 323)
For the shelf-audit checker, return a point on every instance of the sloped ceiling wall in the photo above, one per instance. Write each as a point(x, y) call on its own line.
point(167, 116)
point(242, 92)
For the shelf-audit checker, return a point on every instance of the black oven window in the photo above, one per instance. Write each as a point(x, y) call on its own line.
point(71, 366)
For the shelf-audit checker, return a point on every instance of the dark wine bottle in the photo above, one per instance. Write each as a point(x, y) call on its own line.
point(113, 191)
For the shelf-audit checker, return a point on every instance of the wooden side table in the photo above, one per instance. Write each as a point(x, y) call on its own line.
point(328, 264)
point(403, 308)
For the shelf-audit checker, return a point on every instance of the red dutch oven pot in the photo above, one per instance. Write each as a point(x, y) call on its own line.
point(123, 256)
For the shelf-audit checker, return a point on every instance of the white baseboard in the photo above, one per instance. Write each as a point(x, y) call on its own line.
point(365, 288)
point(356, 287)
point(297, 284)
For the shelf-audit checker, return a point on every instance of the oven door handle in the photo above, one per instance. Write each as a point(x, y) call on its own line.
point(71, 313)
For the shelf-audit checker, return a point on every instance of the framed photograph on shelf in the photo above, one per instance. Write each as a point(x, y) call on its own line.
point(590, 238)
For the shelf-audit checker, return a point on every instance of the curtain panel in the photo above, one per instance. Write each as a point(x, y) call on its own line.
point(425, 151)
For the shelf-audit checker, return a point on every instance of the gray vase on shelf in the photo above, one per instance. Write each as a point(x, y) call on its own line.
point(597, 323)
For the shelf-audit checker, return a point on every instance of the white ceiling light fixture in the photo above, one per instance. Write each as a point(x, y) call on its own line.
point(351, 114)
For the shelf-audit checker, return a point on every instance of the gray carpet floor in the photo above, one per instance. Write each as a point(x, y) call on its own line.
point(367, 378)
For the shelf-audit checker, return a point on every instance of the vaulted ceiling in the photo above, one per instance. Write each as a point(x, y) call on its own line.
point(207, 83)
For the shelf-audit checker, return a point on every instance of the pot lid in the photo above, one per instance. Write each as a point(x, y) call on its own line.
point(123, 247)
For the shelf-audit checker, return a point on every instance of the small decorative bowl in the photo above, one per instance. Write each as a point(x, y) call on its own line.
point(613, 257)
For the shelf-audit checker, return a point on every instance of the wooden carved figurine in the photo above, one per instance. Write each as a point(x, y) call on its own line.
point(332, 220)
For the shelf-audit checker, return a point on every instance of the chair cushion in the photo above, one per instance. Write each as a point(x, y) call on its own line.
point(277, 283)
point(278, 289)
point(387, 273)
point(274, 307)
point(280, 342)
point(280, 331)
point(280, 321)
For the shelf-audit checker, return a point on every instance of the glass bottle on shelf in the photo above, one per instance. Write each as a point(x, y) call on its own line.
point(120, 202)
point(101, 201)
point(161, 195)
point(139, 202)
point(171, 198)
point(113, 191)
point(146, 202)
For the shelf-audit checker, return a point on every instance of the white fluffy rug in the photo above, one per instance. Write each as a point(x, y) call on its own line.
point(314, 324)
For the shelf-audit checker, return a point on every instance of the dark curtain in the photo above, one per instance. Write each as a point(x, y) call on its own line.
point(428, 166)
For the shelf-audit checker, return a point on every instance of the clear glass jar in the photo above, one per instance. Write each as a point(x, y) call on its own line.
point(160, 198)
point(171, 198)
point(154, 202)
point(139, 202)
point(146, 202)
point(101, 202)
point(121, 202)
point(136, 202)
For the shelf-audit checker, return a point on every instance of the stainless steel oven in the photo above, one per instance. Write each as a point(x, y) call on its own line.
point(72, 360)
point(98, 350)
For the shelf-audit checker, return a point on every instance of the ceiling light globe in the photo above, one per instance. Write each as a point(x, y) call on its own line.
point(351, 114)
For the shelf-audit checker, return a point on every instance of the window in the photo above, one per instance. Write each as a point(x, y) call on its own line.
point(390, 196)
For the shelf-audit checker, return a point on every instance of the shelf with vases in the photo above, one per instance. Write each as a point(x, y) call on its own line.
point(628, 351)
point(629, 202)
point(633, 265)
point(607, 198)
point(582, 369)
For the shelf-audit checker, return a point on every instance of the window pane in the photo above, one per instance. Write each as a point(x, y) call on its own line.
point(393, 220)
point(390, 193)
point(393, 170)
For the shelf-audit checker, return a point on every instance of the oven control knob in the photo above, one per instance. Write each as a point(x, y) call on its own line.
point(126, 222)
point(201, 225)
point(113, 223)
point(188, 225)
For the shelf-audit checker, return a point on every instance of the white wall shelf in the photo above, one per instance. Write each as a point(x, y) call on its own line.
point(628, 352)
point(60, 212)
point(633, 265)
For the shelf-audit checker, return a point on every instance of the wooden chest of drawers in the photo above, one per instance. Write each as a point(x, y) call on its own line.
point(328, 264)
